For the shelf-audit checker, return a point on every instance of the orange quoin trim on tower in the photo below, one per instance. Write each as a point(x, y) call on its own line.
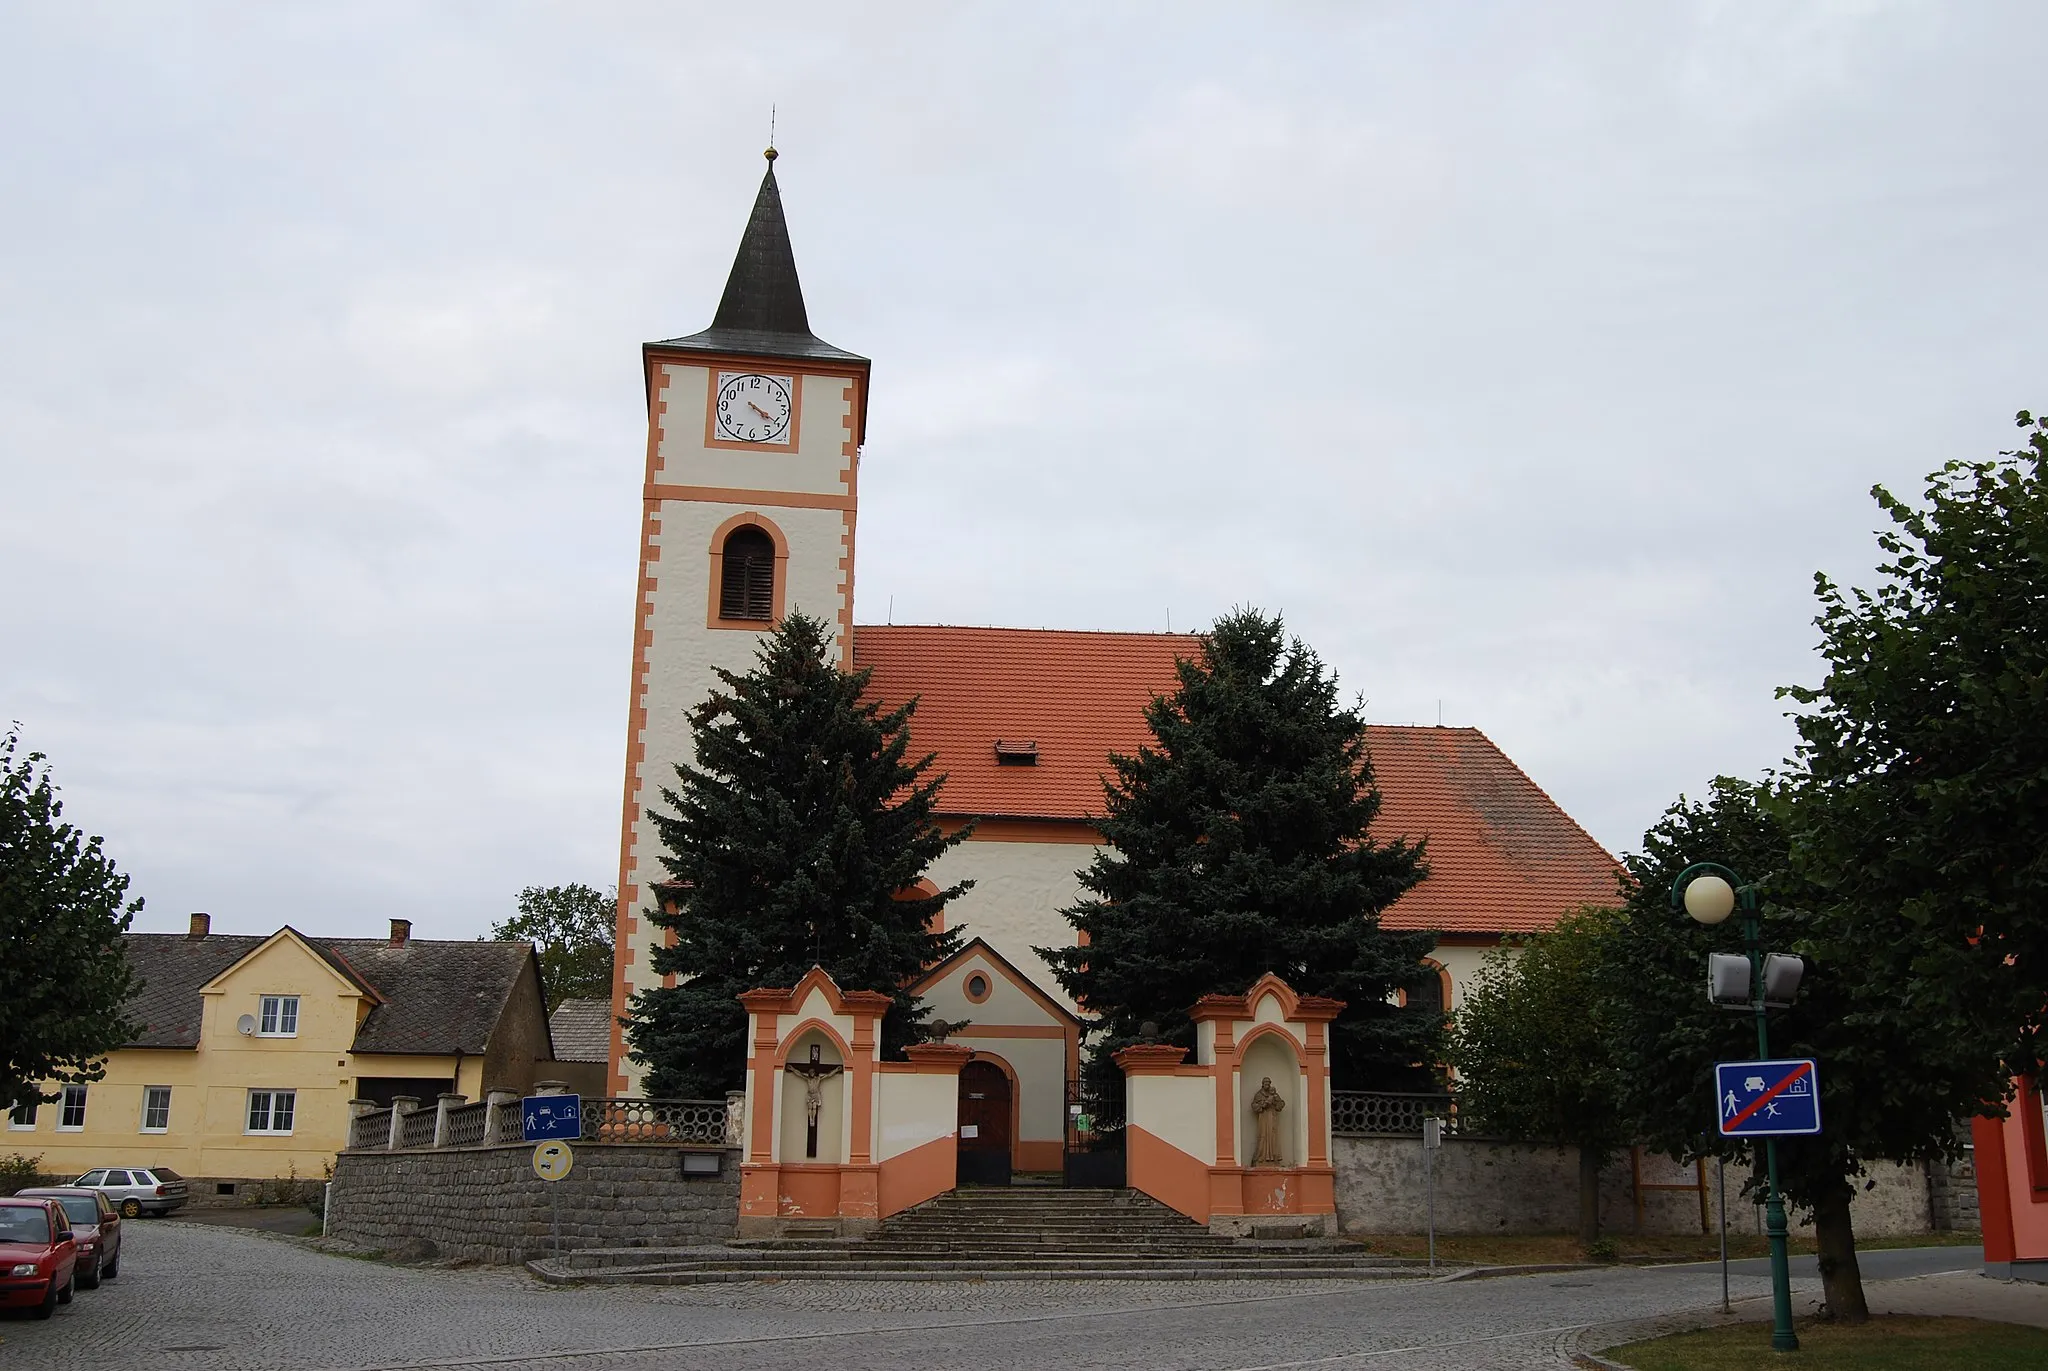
point(627, 927)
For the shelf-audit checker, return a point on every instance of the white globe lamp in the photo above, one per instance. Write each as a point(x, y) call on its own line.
point(1709, 899)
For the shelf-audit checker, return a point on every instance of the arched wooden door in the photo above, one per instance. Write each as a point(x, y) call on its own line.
point(984, 1124)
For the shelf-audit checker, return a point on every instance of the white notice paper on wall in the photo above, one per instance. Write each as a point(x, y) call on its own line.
point(970, 1130)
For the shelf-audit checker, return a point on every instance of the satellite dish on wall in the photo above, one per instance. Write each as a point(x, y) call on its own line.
point(246, 1025)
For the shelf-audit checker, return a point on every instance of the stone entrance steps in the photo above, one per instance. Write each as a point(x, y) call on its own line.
point(698, 1272)
point(994, 1234)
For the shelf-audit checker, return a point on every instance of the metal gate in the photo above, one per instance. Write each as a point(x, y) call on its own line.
point(1095, 1146)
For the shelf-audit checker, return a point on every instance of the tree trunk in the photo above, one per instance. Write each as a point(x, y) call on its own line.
point(1841, 1280)
point(1589, 1196)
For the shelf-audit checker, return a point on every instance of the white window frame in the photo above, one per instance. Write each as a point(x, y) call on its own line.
point(271, 1100)
point(273, 1012)
point(64, 1109)
point(14, 1123)
point(149, 1093)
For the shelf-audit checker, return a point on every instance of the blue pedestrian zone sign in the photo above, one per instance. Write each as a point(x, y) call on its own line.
point(1767, 1099)
point(547, 1117)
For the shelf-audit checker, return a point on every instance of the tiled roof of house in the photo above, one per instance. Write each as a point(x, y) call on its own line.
point(169, 969)
point(439, 996)
point(1503, 856)
point(582, 1030)
point(433, 997)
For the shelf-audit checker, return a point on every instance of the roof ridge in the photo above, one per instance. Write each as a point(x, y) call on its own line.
point(1548, 798)
point(1008, 628)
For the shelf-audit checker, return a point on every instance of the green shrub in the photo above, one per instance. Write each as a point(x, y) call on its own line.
point(19, 1172)
point(1603, 1250)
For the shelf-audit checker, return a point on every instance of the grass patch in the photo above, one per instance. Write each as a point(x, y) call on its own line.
point(1895, 1343)
point(1544, 1249)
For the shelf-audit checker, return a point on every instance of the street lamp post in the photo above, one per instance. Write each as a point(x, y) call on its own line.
point(1710, 892)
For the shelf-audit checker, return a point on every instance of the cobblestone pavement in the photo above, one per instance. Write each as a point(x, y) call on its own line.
point(193, 1298)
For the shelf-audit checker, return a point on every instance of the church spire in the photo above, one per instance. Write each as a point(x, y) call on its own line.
point(762, 310)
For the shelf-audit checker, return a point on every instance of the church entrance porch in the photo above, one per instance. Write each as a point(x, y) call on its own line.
point(986, 1106)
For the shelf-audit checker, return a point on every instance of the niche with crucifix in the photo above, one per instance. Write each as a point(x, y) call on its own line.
point(813, 1122)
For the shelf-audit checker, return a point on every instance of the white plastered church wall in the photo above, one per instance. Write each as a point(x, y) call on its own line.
point(813, 468)
point(1019, 891)
point(1039, 1063)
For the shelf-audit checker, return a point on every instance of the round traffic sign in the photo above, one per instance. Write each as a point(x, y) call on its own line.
point(552, 1160)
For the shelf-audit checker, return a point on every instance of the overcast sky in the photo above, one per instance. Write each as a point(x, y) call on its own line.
point(1530, 358)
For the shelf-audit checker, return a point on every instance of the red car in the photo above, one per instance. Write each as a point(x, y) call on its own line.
point(38, 1255)
point(94, 1226)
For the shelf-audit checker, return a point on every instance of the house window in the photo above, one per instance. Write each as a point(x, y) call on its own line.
point(746, 587)
point(270, 1111)
point(156, 1109)
point(23, 1115)
point(280, 1017)
point(71, 1115)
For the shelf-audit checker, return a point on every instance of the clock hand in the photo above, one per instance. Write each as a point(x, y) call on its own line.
point(762, 412)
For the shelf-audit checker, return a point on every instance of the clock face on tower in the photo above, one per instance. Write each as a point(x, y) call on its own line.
point(750, 407)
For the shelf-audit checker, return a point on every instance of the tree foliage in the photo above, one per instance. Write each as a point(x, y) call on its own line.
point(570, 927)
point(1237, 845)
point(1893, 1078)
point(1532, 1047)
point(794, 839)
point(1926, 746)
point(64, 976)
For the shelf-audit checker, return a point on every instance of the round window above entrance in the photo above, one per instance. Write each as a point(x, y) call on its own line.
point(977, 987)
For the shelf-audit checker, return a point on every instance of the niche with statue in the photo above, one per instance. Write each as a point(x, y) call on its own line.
point(813, 1101)
point(1269, 1101)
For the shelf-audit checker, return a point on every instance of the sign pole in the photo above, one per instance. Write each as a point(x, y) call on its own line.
point(1783, 1339)
point(1432, 1139)
point(551, 1162)
point(1721, 1184)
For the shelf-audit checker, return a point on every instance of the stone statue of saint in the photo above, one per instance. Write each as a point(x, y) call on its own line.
point(1266, 1107)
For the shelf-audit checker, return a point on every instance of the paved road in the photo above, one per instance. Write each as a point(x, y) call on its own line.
point(192, 1297)
point(1884, 1264)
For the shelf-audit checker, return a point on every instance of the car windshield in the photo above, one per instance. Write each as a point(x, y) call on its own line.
point(19, 1223)
point(81, 1208)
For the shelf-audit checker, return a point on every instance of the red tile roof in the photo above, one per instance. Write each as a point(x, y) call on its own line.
point(1079, 696)
point(1503, 856)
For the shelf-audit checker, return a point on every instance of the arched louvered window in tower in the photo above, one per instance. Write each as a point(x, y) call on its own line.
point(746, 587)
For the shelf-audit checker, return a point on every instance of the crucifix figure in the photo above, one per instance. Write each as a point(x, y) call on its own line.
point(815, 1073)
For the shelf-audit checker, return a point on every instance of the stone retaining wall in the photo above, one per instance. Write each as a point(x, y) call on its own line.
point(1486, 1186)
point(486, 1203)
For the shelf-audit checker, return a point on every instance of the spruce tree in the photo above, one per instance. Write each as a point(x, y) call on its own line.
point(790, 842)
point(1237, 845)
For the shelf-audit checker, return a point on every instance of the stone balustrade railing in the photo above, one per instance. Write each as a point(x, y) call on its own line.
point(1386, 1113)
point(453, 1121)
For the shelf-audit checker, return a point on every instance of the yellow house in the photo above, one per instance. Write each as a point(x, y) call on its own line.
point(248, 1050)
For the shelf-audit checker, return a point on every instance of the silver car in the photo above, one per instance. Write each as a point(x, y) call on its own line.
point(152, 1190)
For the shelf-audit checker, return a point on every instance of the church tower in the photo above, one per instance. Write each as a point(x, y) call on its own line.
point(754, 429)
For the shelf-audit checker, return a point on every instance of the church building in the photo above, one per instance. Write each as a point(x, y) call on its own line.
point(755, 429)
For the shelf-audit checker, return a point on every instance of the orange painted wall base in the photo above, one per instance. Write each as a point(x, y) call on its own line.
point(774, 1196)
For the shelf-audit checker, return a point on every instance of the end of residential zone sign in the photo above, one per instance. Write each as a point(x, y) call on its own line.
point(1767, 1099)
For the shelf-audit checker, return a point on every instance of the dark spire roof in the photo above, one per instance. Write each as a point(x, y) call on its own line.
point(762, 311)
